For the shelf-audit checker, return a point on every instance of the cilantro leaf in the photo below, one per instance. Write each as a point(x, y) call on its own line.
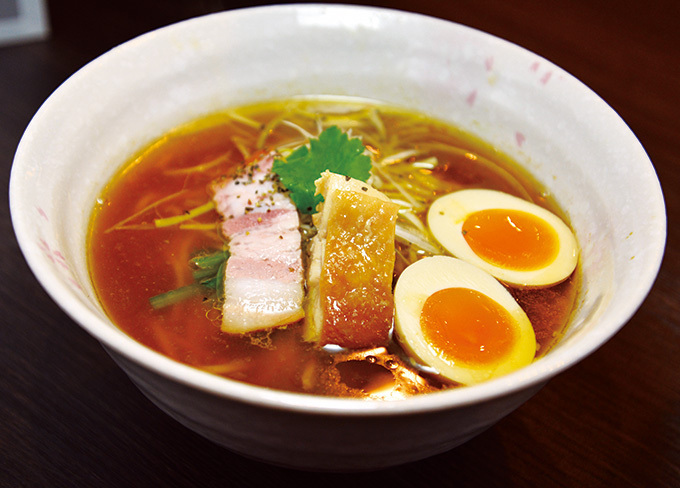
point(334, 151)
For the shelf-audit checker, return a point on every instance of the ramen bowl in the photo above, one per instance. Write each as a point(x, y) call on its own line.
point(528, 108)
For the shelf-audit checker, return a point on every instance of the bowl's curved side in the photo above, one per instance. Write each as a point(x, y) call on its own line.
point(319, 441)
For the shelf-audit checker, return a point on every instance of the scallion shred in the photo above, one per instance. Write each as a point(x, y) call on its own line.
point(209, 261)
point(208, 278)
point(175, 296)
point(188, 215)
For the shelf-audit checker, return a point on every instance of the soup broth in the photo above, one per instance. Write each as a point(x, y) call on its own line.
point(132, 258)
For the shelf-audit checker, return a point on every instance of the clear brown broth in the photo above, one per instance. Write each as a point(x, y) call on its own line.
point(130, 262)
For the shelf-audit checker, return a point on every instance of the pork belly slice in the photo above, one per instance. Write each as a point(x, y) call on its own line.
point(263, 280)
point(349, 278)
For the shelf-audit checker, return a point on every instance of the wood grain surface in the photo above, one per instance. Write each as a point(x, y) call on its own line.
point(69, 417)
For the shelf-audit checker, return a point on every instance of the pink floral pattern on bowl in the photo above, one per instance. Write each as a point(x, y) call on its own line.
point(55, 255)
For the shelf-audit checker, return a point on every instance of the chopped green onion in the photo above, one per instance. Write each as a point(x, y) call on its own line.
point(208, 261)
point(201, 274)
point(208, 277)
point(174, 296)
point(219, 277)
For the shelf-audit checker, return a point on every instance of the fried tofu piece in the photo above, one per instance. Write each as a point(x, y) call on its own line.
point(350, 301)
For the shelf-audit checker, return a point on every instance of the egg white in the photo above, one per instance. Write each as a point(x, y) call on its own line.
point(429, 275)
point(448, 213)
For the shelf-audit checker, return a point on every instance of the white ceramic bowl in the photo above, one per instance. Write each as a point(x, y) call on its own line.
point(560, 130)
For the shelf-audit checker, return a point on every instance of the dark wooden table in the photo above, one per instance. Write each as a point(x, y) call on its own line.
point(69, 417)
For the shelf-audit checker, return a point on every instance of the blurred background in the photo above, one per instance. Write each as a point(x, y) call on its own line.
point(69, 417)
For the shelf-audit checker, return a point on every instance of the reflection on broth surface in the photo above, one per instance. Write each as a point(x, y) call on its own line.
point(157, 214)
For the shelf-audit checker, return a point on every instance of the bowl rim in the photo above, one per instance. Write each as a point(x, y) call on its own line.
point(539, 372)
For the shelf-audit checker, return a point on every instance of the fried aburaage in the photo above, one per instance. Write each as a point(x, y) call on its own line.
point(333, 247)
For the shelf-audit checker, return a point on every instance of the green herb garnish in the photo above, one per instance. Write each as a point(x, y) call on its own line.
point(334, 151)
point(208, 278)
point(175, 296)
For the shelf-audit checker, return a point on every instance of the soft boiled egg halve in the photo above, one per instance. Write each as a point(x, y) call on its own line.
point(459, 320)
point(515, 240)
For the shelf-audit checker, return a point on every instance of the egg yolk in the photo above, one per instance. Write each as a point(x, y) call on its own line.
point(468, 326)
point(511, 239)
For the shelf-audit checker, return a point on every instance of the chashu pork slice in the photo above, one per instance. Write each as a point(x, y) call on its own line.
point(264, 277)
point(350, 273)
